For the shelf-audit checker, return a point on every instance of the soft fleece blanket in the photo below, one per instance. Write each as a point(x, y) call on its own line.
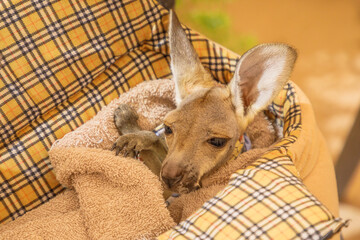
point(112, 197)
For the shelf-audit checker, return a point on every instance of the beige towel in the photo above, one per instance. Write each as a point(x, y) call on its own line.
point(109, 197)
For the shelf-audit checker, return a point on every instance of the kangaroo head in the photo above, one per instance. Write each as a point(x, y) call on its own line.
point(210, 117)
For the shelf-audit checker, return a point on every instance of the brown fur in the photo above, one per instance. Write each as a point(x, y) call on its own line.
point(203, 115)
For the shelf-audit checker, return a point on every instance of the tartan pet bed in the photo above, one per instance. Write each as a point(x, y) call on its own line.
point(61, 61)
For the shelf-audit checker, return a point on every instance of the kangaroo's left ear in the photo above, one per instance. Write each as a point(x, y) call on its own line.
point(259, 76)
point(188, 73)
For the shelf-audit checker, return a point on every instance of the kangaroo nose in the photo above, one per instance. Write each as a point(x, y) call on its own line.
point(171, 175)
point(171, 181)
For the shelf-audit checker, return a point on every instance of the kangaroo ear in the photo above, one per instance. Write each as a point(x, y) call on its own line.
point(188, 73)
point(259, 76)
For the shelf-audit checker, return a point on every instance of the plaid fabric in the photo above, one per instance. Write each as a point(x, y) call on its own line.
point(267, 200)
point(60, 62)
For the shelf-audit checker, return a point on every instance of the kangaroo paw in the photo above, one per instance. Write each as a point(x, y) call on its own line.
point(125, 119)
point(132, 143)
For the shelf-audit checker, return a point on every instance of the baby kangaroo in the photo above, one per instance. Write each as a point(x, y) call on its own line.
point(210, 117)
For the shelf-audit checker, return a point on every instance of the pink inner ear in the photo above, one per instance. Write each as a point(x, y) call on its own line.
point(261, 73)
point(250, 72)
point(249, 92)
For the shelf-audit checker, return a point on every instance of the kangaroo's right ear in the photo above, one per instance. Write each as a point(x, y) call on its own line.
point(259, 76)
point(188, 73)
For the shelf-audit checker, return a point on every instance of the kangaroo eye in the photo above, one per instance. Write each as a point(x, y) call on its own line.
point(217, 142)
point(168, 130)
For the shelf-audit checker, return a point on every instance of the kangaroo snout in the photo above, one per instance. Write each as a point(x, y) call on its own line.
point(171, 174)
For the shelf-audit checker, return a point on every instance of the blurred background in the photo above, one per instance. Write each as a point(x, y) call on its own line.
point(326, 34)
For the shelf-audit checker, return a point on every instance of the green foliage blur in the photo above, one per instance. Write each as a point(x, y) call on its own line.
point(209, 18)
